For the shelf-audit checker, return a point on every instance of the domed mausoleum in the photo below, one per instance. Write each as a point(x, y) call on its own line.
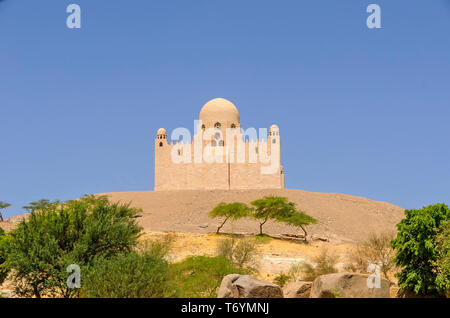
point(220, 155)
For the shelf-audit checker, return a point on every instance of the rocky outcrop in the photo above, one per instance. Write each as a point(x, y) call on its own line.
point(297, 290)
point(245, 286)
point(347, 285)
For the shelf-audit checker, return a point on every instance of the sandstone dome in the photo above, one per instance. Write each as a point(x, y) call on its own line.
point(161, 131)
point(219, 110)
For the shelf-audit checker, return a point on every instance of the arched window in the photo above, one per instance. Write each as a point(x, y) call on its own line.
point(233, 126)
point(217, 125)
point(213, 143)
point(221, 143)
point(274, 141)
point(160, 144)
point(203, 127)
point(217, 136)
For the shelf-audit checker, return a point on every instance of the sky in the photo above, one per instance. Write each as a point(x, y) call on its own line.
point(361, 111)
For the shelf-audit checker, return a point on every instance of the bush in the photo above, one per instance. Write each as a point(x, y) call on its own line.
point(417, 252)
point(200, 276)
point(128, 275)
point(325, 264)
point(59, 234)
point(282, 279)
point(375, 250)
point(242, 253)
point(3, 256)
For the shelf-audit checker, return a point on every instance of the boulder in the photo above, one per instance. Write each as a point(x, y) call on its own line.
point(347, 285)
point(245, 286)
point(297, 290)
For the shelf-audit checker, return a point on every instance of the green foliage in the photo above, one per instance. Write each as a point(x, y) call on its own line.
point(128, 275)
point(242, 253)
point(443, 258)
point(59, 234)
point(282, 279)
point(263, 238)
point(200, 276)
point(416, 250)
point(297, 219)
point(3, 205)
point(233, 211)
point(3, 256)
point(281, 210)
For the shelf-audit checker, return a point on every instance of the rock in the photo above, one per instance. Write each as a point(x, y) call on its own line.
point(245, 286)
point(347, 285)
point(6, 293)
point(203, 226)
point(297, 290)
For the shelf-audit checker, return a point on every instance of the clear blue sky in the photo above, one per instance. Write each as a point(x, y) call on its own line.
point(363, 112)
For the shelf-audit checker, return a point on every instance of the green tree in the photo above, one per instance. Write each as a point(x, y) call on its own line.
point(281, 210)
point(3, 205)
point(443, 259)
point(416, 249)
point(39, 205)
point(233, 211)
point(59, 234)
point(297, 219)
point(3, 256)
point(128, 275)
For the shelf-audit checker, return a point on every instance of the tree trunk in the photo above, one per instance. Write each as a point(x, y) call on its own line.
point(261, 225)
point(304, 231)
point(223, 223)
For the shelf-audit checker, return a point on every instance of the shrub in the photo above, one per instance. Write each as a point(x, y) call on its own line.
point(59, 234)
point(242, 253)
point(325, 264)
point(128, 275)
point(376, 249)
point(282, 279)
point(200, 276)
point(416, 250)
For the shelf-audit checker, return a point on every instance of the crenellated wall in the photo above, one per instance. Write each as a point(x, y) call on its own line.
point(180, 166)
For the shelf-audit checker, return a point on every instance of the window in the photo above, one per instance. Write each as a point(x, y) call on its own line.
point(221, 143)
point(217, 136)
point(274, 141)
point(233, 126)
point(217, 125)
point(160, 144)
point(213, 143)
point(203, 127)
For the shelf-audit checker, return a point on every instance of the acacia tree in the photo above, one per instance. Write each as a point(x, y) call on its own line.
point(233, 211)
point(417, 250)
point(3, 205)
point(279, 209)
point(296, 218)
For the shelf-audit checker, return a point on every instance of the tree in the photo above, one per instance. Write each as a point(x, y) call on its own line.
point(416, 249)
point(278, 209)
point(3, 256)
point(3, 205)
point(60, 234)
point(443, 259)
point(38, 205)
point(233, 211)
point(296, 218)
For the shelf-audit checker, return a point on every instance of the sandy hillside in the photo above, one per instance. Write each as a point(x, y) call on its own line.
point(342, 218)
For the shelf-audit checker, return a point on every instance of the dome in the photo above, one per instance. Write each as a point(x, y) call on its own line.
point(274, 128)
point(161, 131)
point(219, 110)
